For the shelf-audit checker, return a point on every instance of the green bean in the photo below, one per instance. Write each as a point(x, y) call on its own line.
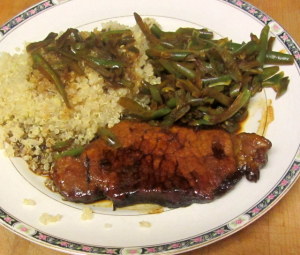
point(235, 89)
point(272, 57)
point(233, 46)
point(217, 81)
point(132, 106)
point(273, 80)
point(126, 83)
point(189, 86)
point(136, 109)
point(70, 55)
point(155, 94)
point(169, 67)
point(211, 80)
point(74, 152)
point(263, 45)
point(198, 101)
point(278, 58)
point(155, 29)
point(160, 113)
point(99, 68)
point(215, 94)
point(271, 43)
point(176, 55)
point(145, 29)
point(74, 66)
point(109, 137)
point(200, 122)
point(107, 63)
point(63, 39)
point(201, 33)
point(252, 66)
point(38, 45)
point(268, 72)
point(230, 63)
point(62, 145)
point(247, 48)
point(182, 70)
point(282, 87)
point(95, 63)
point(114, 32)
point(241, 100)
point(256, 85)
point(278, 82)
point(175, 115)
point(171, 103)
point(47, 70)
point(107, 36)
point(211, 111)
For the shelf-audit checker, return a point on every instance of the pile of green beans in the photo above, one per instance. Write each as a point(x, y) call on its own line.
point(109, 52)
point(205, 82)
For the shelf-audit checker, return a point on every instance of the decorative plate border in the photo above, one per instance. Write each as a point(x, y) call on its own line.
point(187, 244)
point(17, 20)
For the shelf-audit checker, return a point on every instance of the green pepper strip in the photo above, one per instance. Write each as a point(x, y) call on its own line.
point(241, 100)
point(46, 69)
point(263, 45)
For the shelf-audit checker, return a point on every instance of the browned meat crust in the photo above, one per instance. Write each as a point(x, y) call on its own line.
point(172, 167)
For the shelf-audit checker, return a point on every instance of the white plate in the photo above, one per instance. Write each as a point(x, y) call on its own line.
point(172, 231)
